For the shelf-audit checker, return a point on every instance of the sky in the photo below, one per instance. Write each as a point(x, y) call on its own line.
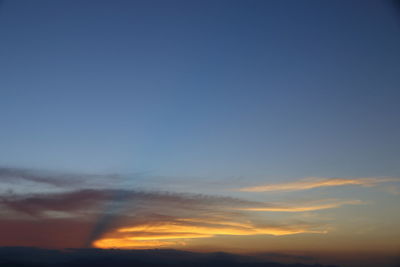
point(244, 126)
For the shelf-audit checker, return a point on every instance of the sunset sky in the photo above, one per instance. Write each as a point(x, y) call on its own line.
point(240, 126)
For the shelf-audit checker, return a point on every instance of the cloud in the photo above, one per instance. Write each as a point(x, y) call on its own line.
point(83, 199)
point(301, 207)
point(126, 218)
point(140, 219)
point(57, 179)
point(315, 182)
point(173, 231)
point(12, 174)
point(119, 201)
point(37, 205)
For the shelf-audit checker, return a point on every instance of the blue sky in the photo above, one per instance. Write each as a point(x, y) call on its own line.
point(259, 90)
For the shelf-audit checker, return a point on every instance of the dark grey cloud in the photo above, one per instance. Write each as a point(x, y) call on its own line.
point(59, 179)
point(37, 204)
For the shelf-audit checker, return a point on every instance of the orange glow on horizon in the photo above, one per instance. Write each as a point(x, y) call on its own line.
point(149, 235)
point(123, 243)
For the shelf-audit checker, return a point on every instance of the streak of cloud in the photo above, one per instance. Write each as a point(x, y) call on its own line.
point(57, 179)
point(37, 205)
point(181, 229)
point(301, 207)
point(113, 203)
point(316, 182)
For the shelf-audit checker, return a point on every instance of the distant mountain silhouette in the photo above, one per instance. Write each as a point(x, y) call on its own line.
point(36, 257)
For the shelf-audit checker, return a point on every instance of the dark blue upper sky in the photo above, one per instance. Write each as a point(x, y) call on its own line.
point(201, 88)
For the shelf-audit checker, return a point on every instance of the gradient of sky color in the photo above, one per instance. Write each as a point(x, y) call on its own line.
point(224, 88)
point(213, 97)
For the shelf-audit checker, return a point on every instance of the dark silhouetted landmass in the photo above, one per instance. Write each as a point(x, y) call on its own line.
point(35, 257)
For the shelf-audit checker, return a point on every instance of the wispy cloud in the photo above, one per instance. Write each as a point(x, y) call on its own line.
point(301, 207)
point(58, 179)
point(187, 228)
point(13, 174)
point(316, 182)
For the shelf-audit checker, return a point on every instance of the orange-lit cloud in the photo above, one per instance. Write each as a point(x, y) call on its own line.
point(315, 182)
point(181, 230)
point(301, 207)
point(126, 243)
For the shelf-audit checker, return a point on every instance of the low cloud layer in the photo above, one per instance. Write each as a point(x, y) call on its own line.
point(128, 218)
point(139, 219)
point(170, 232)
